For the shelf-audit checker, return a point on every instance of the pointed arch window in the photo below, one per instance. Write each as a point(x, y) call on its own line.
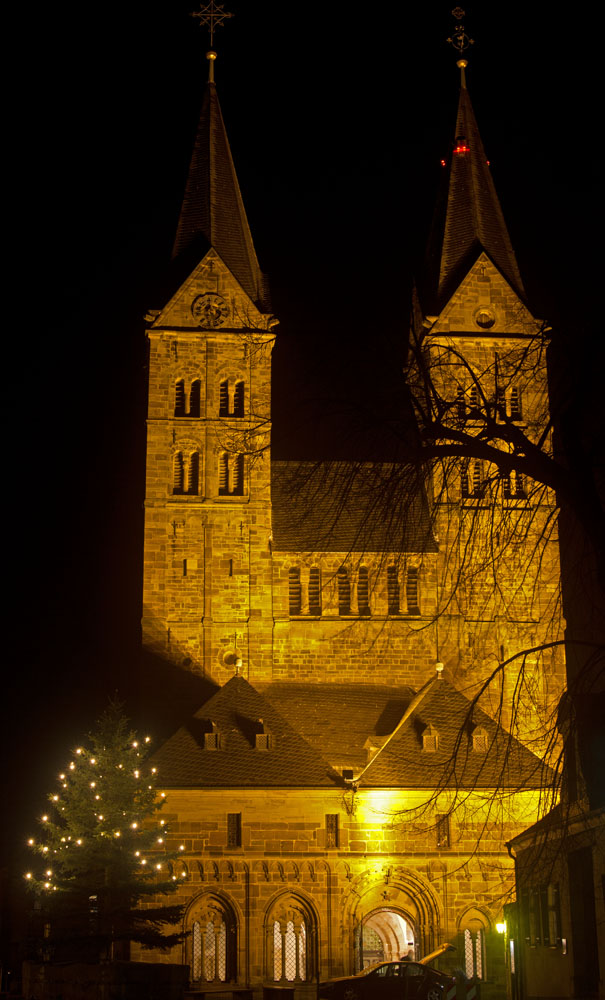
point(195, 398)
point(474, 953)
point(363, 591)
point(179, 398)
point(513, 486)
point(412, 596)
point(344, 591)
point(289, 928)
point(238, 400)
point(314, 591)
point(294, 591)
point(213, 938)
point(393, 600)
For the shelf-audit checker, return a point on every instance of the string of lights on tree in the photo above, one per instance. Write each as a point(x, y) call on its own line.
point(101, 837)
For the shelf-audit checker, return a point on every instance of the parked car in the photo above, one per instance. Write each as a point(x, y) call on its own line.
point(402, 980)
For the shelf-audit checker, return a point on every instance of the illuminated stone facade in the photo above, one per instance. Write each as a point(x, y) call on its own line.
point(322, 820)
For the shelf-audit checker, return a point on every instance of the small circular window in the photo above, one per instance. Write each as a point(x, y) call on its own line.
point(485, 318)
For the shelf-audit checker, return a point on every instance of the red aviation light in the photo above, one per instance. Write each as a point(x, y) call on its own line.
point(462, 148)
point(443, 163)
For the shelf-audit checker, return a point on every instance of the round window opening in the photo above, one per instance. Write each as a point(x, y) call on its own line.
point(485, 318)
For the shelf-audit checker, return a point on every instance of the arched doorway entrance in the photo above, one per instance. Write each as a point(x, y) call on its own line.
point(384, 935)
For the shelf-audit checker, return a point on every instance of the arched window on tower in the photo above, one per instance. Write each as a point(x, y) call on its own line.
point(363, 591)
point(513, 486)
point(344, 591)
point(178, 474)
point(294, 591)
point(314, 591)
point(515, 404)
point(195, 398)
point(179, 398)
point(230, 475)
point(472, 480)
point(412, 596)
point(193, 474)
point(223, 400)
point(393, 590)
point(238, 400)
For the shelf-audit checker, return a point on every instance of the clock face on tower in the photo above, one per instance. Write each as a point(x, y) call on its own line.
point(210, 309)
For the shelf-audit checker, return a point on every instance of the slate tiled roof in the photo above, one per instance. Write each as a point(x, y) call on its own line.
point(235, 712)
point(317, 729)
point(349, 507)
point(341, 719)
point(469, 218)
point(213, 213)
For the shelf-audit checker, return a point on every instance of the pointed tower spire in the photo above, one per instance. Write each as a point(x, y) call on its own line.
point(469, 218)
point(213, 213)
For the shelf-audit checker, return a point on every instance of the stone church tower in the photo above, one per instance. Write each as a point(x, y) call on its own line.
point(341, 799)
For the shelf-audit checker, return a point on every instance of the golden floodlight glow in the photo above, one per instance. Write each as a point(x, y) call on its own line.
point(501, 928)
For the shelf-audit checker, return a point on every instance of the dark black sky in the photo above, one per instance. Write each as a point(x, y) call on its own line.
point(338, 117)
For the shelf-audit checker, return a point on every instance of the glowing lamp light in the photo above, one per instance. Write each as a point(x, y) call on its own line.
point(133, 826)
point(158, 866)
point(181, 847)
point(31, 842)
point(501, 928)
point(72, 766)
point(45, 850)
point(93, 760)
point(79, 750)
point(28, 875)
point(443, 163)
point(148, 739)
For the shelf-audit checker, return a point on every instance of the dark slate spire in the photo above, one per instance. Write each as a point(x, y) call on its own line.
point(213, 213)
point(468, 219)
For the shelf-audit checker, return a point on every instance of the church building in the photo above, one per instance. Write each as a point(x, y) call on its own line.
point(347, 793)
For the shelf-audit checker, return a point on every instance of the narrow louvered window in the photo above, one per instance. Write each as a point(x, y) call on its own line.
point(392, 590)
point(193, 474)
point(238, 475)
point(519, 486)
point(506, 487)
point(234, 829)
point(223, 474)
point(443, 831)
point(294, 591)
point(460, 403)
point(501, 403)
point(178, 473)
point(195, 396)
point(238, 400)
point(314, 591)
point(476, 472)
point(223, 403)
point(515, 404)
point(344, 592)
point(179, 398)
point(332, 831)
point(473, 397)
point(363, 592)
point(411, 591)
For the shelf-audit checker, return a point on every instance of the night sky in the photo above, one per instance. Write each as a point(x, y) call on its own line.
point(338, 118)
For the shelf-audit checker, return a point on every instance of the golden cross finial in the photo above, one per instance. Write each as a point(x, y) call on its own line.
point(459, 39)
point(212, 14)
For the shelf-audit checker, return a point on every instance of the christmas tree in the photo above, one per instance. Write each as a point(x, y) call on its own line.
point(104, 850)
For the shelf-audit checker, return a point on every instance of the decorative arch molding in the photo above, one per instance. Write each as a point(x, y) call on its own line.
point(291, 938)
point(212, 920)
point(403, 890)
point(474, 917)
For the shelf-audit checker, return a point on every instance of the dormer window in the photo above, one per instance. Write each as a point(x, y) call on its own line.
point(212, 741)
point(263, 741)
point(480, 739)
point(430, 739)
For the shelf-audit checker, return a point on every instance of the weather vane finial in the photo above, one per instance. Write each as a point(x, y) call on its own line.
point(460, 41)
point(211, 14)
point(459, 38)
